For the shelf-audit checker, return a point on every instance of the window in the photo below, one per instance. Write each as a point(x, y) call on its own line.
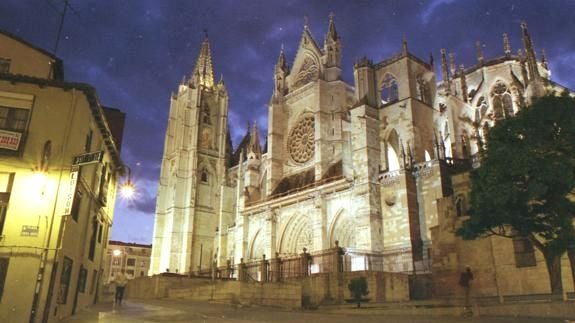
point(423, 92)
point(13, 119)
point(116, 261)
point(88, 144)
point(524, 252)
point(3, 271)
point(5, 65)
point(141, 273)
point(13, 123)
point(204, 176)
point(460, 206)
point(75, 212)
point(100, 229)
point(104, 181)
point(6, 180)
point(502, 102)
point(82, 276)
point(131, 262)
point(65, 280)
point(130, 273)
point(93, 237)
point(142, 263)
point(389, 91)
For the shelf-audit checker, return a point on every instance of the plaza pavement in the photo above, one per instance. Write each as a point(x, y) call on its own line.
point(186, 311)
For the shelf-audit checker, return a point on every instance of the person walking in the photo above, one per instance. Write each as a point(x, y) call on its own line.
point(121, 281)
point(465, 281)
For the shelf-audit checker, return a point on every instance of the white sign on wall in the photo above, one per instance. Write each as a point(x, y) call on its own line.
point(9, 139)
point(72, 181)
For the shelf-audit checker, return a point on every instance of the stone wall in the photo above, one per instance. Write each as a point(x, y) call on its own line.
point(332, 288)
point(314, 290)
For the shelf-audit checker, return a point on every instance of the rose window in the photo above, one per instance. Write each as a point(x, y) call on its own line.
point(301, 143)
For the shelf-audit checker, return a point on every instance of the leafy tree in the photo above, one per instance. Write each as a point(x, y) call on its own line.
point(358, 289)
point(525, 186)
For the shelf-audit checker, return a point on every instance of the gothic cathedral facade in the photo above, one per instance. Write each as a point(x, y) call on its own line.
point(362, 164)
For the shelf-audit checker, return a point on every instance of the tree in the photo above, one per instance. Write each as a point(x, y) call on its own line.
point(358, 289)
point(525, 186)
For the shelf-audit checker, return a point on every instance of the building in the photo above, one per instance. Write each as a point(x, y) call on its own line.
point(132, 258)
point(59, 165)
point(367, 165)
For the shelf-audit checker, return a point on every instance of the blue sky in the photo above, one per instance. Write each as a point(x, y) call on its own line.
point(135, 52)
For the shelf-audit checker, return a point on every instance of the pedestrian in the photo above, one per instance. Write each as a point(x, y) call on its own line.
point(465, 281)
point(121, 281)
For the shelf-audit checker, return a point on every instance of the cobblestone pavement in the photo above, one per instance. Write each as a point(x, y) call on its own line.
point(186, 311)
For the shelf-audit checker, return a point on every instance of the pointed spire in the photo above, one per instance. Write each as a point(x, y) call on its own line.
point(452, 65)
point(529, 53)
point(332, 50)
point(431, 61)
point(506, 45)
point(463, 82)
point(203, 72)
point(255, 141)
point(331, 32)
point(479, 52)
point(444, 70)
point(282, 61)
point(404, 51)
point(544, 59)
point(305, 22)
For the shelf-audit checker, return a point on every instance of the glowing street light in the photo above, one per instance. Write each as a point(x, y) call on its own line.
point(116, 252)
point(128, 189)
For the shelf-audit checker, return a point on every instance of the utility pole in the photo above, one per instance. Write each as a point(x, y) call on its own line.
point(61, 25)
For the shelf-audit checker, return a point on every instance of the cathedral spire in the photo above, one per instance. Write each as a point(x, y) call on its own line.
point(331, 32)
point(506, 45)
point(203, 71)
point(529, 53)
point(544, 59)
point(445, 71)
point(254, 146)
point(280, 74)
point(452, 65)
point(479, 52)
point(332, 52)
point(282, 65)
point(463, 82)
point(404, 50)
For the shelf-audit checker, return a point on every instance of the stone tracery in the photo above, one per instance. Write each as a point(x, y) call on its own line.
point(301, 145)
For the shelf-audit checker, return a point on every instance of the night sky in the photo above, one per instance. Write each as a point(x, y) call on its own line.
point(136, 52)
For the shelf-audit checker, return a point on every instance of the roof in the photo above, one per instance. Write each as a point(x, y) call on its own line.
point(128, 244)
point(94, 103)
point(58, 63)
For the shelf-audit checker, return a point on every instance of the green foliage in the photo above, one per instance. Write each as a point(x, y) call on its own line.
point(358, 289)
point(526, 183)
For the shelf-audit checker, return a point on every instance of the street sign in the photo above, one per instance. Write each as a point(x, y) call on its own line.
point(72, 181)
point(29, 231)
point(88, 158)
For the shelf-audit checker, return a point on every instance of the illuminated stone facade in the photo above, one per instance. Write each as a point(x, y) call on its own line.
point(132, 258)
point(364, 165)
point(54, 219)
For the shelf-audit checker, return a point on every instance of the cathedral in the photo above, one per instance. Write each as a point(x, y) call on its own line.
point(368, 165)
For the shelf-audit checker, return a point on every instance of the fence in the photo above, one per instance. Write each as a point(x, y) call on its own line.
point(326, 261)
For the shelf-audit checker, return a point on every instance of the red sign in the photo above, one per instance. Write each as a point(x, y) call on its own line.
point(10, 140)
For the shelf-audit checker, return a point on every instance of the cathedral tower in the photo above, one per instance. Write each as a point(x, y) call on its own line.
point(193, 166)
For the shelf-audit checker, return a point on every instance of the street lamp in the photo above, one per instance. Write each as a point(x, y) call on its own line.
point(128, 188)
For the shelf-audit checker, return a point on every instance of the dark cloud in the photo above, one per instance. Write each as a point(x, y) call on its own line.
point(136, 52)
